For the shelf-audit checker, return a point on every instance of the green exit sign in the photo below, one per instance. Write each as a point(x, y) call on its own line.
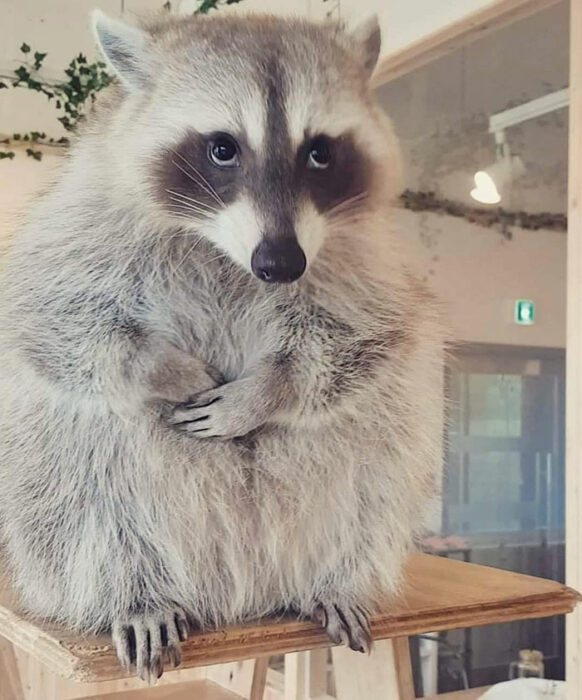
point(524, 312)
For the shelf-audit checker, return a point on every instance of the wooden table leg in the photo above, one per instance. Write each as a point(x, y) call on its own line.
point(10, 685)
point(305, 676)
point(259, 678)
point(384, 674)
point(403, 666)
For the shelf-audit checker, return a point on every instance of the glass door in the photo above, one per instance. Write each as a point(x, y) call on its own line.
point(503, 496)
point(505, 466)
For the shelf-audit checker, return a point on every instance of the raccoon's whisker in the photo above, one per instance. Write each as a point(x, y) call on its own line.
point(346, 204)
point(197, 181)
point(353, 209)
point(187, 217)
point(196, 202)
point(217, 257)
point(178, 213)
point(181, 233)
point(188, 253)
point(350, 218)
point(185, 206)
point(193, 214)
point(184, 198)
point(202, 181)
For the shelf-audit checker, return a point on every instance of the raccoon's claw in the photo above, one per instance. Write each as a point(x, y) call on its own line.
point(148, 640)
point(223, 412)
point(345, 624)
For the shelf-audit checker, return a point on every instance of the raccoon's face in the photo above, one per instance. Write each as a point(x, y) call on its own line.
point(259, 133)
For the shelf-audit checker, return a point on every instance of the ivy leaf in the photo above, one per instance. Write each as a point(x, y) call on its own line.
point(16, 137)
point(3, 85)
point(25, 48)
point(66, 122)
point(38, 59)
point(22, 73)
point(205, 6)
point(35, 85)
point(36, 155)
point(7, 154)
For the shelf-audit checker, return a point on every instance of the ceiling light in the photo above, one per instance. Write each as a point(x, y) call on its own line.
point(491, 182)
point(485, 190)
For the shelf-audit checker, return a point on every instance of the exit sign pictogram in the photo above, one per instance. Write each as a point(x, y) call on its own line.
point(524, 312)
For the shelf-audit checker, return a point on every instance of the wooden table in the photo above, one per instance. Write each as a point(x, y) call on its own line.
point(439, 594)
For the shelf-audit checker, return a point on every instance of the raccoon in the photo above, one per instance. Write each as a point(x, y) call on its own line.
point(221, 376)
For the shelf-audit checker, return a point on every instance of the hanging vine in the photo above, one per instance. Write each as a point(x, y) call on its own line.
point(72, 97)
point(489, 217)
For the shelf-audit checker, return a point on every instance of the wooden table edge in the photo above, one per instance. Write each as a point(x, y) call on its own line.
point(242, 643)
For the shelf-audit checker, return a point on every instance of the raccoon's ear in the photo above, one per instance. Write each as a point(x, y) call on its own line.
point(368, 37)
point(124, 48)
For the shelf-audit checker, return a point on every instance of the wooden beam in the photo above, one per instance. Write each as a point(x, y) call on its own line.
point(452, 37)
point(574, 356)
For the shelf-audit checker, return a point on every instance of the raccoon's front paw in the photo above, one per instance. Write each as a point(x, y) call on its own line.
point(345, 624)
point(228, 411)
point(147, 640)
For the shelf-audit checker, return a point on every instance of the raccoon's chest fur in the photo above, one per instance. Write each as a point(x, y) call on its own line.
point(231, 323)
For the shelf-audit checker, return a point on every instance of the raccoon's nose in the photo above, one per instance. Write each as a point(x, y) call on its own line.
point(278, 260)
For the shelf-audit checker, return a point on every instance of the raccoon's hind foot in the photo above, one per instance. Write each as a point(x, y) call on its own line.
point(148, 640)
point(345, 624)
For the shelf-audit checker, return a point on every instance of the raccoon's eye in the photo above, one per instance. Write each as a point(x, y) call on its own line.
point(223, 151)
point(319, 156)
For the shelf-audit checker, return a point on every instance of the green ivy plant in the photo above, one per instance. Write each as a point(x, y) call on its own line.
point(71, 97)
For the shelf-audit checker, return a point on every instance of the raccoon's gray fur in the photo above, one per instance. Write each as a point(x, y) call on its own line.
point(179, 438)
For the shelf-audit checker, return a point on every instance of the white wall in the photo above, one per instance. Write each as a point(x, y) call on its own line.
point(478, 274)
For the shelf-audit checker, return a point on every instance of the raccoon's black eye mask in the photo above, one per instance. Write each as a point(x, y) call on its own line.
point(210, 171)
